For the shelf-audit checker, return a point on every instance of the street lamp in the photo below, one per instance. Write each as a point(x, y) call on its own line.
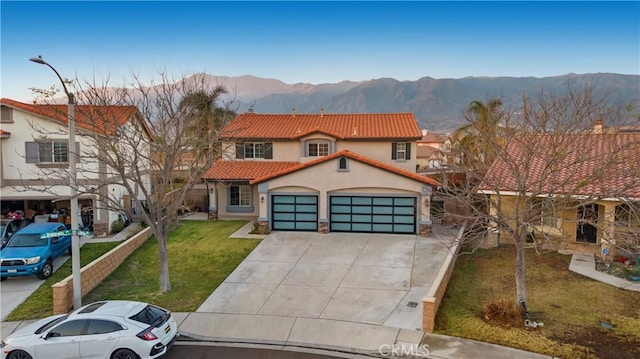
point(73, 192)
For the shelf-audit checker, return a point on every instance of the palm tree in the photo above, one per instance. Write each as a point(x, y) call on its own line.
point(476, 140)
point(205, 121)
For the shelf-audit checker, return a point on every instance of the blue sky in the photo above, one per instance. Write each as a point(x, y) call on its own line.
point(315, 42)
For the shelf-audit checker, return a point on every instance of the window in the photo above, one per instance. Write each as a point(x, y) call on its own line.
point(401, 151)
point(627, 215)
point(240, 196)
point(68, 329)
point(254, 150)
point(7, 115)
point(317, 148)
point(47, 151)
point(102, 326)
point(343, 164)
point(545, 211)
point(434, 164)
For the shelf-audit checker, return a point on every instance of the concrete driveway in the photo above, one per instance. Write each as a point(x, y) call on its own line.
point(365, 278)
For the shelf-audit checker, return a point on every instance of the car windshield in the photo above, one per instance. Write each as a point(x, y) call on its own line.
point(51, 324)
point(27, 240)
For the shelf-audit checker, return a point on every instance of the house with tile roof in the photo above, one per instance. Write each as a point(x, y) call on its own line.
point(322, 172)
point(430, 154)
point(582, 189)
point(35, 148)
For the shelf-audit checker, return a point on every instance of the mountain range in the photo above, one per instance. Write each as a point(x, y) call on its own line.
point(438, 104)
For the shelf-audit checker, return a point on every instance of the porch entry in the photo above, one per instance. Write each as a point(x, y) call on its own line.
point(586, 230)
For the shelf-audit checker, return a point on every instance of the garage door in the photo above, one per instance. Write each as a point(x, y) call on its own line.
point(373, 214)
point(294, 213)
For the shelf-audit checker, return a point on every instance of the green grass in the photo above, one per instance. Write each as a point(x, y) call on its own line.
point(571, 307)
point(201, 256)
point(40, 302)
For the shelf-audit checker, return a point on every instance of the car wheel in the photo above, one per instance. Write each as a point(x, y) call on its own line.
point(19, 354)
point(46, 271)
point(123, 354)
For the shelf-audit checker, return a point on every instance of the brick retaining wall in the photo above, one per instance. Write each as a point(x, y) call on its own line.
point(431, 302)
point(93, 273)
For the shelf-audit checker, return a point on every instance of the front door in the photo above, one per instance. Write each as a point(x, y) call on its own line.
point(587, 230)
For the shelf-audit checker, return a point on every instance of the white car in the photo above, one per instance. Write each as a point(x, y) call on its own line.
point(107, 330)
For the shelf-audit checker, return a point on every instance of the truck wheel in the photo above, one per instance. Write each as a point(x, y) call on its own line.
point(46, 271)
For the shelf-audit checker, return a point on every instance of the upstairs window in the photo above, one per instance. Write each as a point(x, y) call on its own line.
point(7, 115)
point(56, 151)
point(343, 164)
point(254, 150)
point(401, 151)
point(317, 148)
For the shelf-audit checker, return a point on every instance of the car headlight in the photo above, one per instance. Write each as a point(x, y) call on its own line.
point(32, 260)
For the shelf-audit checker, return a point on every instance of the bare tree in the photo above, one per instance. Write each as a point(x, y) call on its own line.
point(141, 157)
point(554, 163)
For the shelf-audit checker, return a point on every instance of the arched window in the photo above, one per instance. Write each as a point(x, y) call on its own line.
point(343, 164)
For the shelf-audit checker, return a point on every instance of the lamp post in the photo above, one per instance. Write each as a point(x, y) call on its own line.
point(73, 192)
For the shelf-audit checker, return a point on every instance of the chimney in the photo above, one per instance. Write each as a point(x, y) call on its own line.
point(293, 112)
point(355, 131)
point(250, 110)
point(598, 127)
point(425, 132)
point(321, 112)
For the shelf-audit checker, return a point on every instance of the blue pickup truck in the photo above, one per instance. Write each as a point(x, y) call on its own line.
point(32, 250)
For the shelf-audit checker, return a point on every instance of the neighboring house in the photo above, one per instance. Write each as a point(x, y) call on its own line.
point(430, 153)
point(322, 172)
point(35, 142)
point(586, 196)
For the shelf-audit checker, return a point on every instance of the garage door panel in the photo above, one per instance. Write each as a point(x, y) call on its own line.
point(383, 228)
point(284, 217)
point(373, 214)
point(295, 212)
point(361, 227)
point(284, 208)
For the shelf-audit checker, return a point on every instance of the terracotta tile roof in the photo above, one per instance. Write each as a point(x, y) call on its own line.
point(427, 151)
point(432, 138)
point(91, 118)
point(354, 156)
point(341, 126)
point(603, 165)
point(245, 170)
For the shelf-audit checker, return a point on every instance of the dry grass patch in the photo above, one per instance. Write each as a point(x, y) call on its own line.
point(571, 307)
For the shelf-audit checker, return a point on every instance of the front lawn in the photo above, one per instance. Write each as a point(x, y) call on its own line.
point(40, 302)
point(572, 307)
point(201, 256)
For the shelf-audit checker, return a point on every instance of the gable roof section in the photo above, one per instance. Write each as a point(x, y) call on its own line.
point(354, 156)
point(87, 117)
point(245, 170)
point(602, 165)
point(427, 151)
point(251, 125)
point(432, 138)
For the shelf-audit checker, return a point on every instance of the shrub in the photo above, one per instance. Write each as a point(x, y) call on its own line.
point(504, 312)
point(117, 226)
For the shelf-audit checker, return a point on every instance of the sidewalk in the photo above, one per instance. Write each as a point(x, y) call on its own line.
point(585, 264)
